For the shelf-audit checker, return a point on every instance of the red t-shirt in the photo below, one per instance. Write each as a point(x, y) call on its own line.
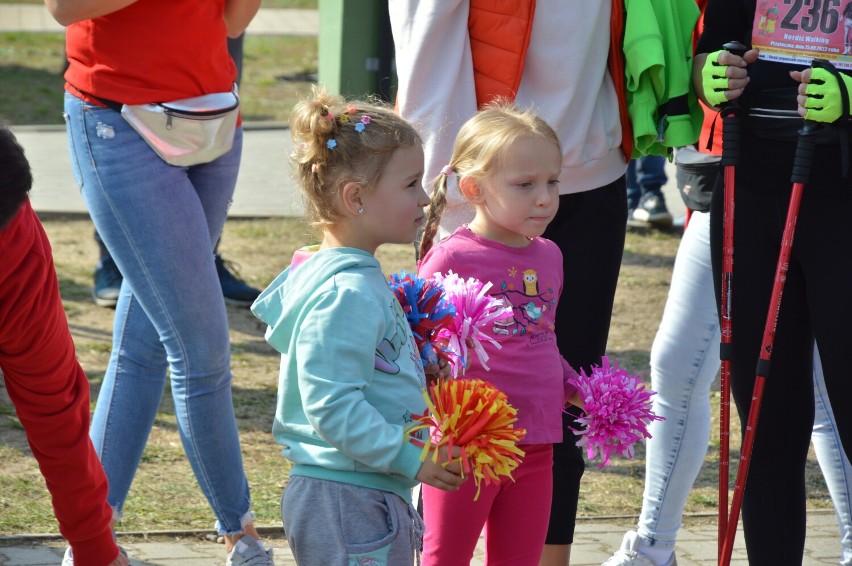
point(151, 51)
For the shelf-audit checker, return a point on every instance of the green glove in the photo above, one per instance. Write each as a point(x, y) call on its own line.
point(713, 79)
point(825, 104)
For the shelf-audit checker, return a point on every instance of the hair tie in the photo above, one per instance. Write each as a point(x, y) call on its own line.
point(447, 170)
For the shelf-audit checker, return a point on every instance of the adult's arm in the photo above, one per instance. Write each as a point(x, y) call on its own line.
point(67, 12)
point(436, 91)
point(239, 14)
point(724, 21)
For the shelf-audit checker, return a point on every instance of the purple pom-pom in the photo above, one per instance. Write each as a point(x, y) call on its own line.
point(617, 409)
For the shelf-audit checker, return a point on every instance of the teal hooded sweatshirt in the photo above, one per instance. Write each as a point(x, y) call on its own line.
point(351, 378)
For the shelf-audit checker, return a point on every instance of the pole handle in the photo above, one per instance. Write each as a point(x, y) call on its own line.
point(730, 117)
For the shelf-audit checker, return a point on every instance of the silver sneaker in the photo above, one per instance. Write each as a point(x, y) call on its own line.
point(249, 552)
point(68, 559)
point(628, 554)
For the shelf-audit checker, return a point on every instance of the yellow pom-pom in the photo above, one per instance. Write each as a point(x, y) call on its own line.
point(477, 417)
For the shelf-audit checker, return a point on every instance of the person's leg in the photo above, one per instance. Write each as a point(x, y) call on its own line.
point(634, 191)
point(589, 228)
point(828, 281)
point(338, 524)
point(651, 173)
point(773, 505)
point(107, 278)
point(517, 524)
point(651, 176)
point(833, 462)
point(454, 522)
point(159, 223)
point(684, 363)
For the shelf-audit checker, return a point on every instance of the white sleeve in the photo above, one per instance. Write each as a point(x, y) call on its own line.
point(436, 92)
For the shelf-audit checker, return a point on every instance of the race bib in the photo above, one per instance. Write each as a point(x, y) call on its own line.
point(797, 31)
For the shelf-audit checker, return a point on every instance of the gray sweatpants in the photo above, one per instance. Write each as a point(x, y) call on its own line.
point(331, 523)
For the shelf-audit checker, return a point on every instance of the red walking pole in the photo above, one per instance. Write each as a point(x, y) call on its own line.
point(730, 157)
point(801, 173)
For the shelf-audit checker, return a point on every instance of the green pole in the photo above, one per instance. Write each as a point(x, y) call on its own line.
point(349, 46)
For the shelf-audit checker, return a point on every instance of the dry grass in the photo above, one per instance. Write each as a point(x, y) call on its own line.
point(165, 495)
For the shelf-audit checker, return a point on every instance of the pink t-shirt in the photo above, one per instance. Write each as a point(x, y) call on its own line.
point(528, 368)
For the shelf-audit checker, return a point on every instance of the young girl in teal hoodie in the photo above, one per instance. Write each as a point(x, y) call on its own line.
point(351, 380)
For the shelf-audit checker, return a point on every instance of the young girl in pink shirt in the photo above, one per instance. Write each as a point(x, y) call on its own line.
point(507, 164)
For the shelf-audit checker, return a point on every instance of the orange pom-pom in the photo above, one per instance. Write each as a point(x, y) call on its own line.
point(477, 417)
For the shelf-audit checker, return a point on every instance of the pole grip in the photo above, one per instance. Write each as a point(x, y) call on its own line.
point(805, 148)
point(730, 136)
point(730, 117)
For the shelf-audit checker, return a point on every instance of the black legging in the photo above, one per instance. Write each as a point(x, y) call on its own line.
point(816, 303)
point(589, 228)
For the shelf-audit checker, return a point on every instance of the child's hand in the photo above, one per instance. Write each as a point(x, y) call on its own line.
point(575, 399)
point(437, 372)
point(444, 474)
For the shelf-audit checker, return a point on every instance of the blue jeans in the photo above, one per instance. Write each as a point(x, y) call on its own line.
point(160, 223)
point(684, 364)
point(645, 175)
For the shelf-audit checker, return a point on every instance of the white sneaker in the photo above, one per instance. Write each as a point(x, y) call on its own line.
point(628, 554)
point(249, 552)
point(68, 559)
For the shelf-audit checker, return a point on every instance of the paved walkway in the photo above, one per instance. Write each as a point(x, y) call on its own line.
point(264, 189)
point(595, 541)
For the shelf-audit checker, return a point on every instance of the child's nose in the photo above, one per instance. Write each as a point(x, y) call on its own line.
point(545, 198)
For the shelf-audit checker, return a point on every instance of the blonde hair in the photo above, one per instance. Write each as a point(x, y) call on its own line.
point(338, 141)
point(480, 145)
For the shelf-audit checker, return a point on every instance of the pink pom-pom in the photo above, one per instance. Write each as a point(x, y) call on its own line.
point(617, 409)
point(476, 311)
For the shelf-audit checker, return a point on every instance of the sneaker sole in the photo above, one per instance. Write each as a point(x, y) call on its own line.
point(108, 303)
point(659, 220)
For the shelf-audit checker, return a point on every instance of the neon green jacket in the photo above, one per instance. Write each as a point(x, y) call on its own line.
point(662, 105)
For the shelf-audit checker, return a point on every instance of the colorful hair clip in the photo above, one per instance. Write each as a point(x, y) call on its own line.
point(329, 116)
point(447, 170)
point(331, 143)
point(361, 126)
point(350, 108)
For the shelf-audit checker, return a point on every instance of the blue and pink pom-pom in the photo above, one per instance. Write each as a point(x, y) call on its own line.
point(427, 311)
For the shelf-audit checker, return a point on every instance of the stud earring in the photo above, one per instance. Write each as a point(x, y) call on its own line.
point(361, 210)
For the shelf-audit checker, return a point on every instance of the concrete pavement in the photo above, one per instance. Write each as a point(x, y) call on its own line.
point(595, 541)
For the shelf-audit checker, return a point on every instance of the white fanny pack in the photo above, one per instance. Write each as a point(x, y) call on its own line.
point(189, 131)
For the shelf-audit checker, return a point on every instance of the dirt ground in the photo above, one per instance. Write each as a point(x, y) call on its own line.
point(165, 495)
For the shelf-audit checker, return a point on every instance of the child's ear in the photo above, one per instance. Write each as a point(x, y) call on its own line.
point(351, 196)
point(470, 189)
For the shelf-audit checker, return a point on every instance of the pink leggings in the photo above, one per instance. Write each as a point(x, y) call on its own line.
point(515, 516)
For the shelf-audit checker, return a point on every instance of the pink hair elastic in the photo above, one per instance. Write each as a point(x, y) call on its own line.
point(447, 170)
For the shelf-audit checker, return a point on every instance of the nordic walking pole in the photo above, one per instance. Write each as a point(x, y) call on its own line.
point(801, 174)
point(730, 157)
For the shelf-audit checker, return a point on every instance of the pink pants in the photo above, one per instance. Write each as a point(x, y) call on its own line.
point(515, 516)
